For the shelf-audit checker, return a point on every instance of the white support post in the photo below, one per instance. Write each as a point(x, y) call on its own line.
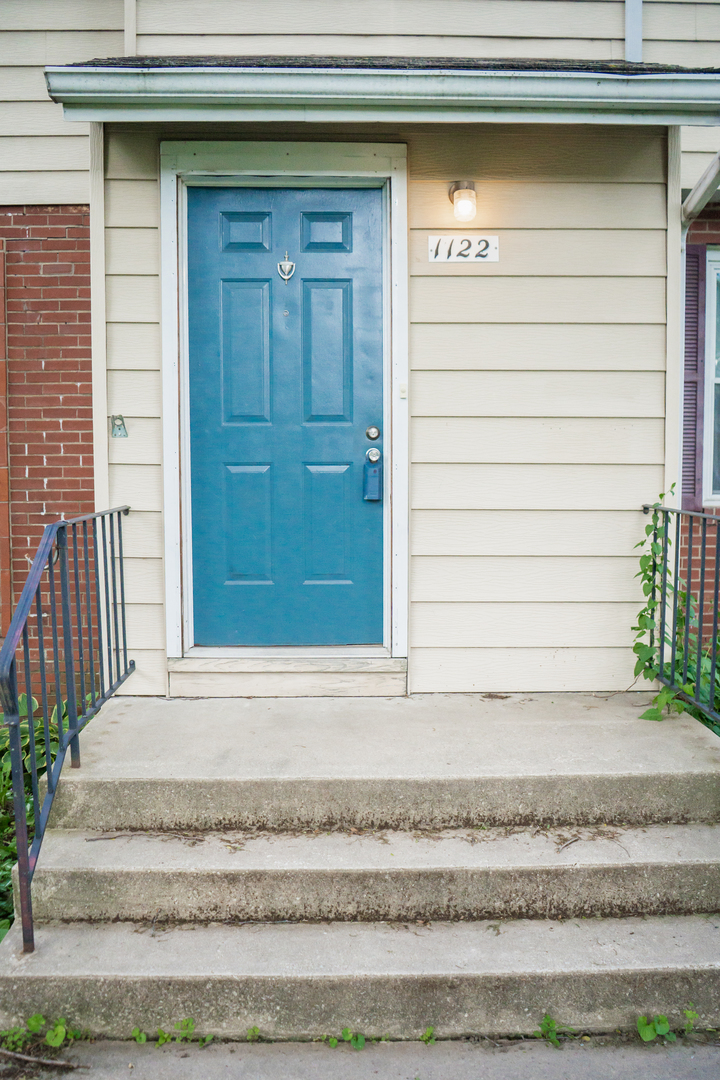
point(675, 300)
point(97, 316)
point(633, 31)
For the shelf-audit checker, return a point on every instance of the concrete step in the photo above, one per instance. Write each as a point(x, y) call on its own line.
point(460, 874)
point(429, 760)
point(305, 980)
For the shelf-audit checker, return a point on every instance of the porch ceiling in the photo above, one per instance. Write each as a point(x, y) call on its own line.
point(378, 89)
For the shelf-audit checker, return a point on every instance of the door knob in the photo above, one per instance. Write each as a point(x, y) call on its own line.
point(373, 455)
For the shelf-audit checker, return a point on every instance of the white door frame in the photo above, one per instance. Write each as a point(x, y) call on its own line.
point(281, 164)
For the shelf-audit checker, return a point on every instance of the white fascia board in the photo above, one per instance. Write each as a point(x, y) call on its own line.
point(312, 94)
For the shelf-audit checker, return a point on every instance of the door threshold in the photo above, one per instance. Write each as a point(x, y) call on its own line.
point(295, 652)
point(293, 675)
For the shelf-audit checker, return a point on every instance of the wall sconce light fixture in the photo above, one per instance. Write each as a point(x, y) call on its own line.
point(462, 196)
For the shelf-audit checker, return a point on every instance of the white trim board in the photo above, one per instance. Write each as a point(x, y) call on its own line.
point(285, 164)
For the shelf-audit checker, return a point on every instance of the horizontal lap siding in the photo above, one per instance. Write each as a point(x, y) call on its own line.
point(537, 401)
point(685, 33)
point(43, 158)
point(591, 29)
point(132, 263)
point(699, 147)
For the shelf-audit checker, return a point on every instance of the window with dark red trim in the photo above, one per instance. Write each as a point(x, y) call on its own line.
point(694, 382)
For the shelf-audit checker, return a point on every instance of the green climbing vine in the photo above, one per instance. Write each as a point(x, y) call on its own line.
point(686, 659)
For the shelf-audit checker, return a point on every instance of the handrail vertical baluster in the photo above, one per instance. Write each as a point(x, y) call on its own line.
point(108, 625)
point(663, 592)
point(30, 722)
point(88, 601)
point(56, 648)
point(676, 590)
point(12, 720)
point(122, 588)
point(96, 561)
point(701, 613)
point(716, 598)
point(78, 612)
point(43, 691)
point(72, 711)
point(688, 599)
point(113, 579)
point(54, 548)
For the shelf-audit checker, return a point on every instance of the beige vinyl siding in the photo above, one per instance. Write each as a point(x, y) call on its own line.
point(132, 289)
point(469, 18)
point(527, 670)
point(524, 532)
point(44, 159)
point(686, 33)
point(449, 486)
point(699, 147)
point(535, 439)
point(522, 625)
point(575, 253)
point(537, 401)
point(681, 32)
point(41, 32)
point(537, 346)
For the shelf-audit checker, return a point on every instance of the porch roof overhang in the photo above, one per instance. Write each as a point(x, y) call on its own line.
point(378, 89)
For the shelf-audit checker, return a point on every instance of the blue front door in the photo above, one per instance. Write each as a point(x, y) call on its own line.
point(285, 380)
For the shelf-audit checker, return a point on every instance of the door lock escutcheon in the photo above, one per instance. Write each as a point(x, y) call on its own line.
point(373, 432)
point(372, 476)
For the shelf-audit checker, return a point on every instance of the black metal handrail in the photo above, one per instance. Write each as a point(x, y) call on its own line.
point(685, 599)
point(67, 642)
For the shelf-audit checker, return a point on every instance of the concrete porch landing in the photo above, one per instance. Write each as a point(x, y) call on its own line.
point(436, 760)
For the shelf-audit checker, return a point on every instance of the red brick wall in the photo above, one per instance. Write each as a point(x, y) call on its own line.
point(5, 578)
point(706, 229)
point(49, 372)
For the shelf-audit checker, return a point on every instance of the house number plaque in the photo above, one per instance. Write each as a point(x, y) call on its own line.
point(471, 248)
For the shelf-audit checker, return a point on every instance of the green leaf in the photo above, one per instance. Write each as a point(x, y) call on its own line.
point(646, 1030)
point(358, 1041)
point(661, 1025)
point(35, 1023)
point(204, 1040)
point(671, 1037)
point(138, 1035)
point(55, 1036)
point(346, 1034)
point(332, 1042)
point(428, 1036)
point(253, 1034)
point(185, 1028)
point(690, 1017)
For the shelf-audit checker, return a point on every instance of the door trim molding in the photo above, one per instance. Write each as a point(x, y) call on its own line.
point(283, 164)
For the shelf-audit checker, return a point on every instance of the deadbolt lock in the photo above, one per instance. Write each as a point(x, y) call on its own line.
point(373, 433)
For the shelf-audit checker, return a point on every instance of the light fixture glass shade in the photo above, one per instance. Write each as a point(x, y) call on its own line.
point(464, 204)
